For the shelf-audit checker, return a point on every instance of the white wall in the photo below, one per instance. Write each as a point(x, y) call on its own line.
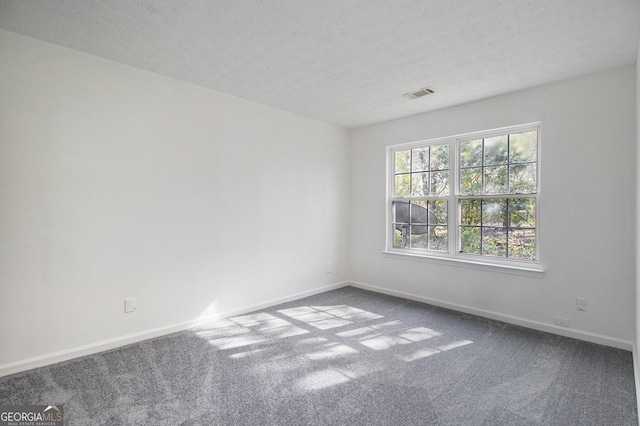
point(116, 182)
point(637, 233)
point(587, 209)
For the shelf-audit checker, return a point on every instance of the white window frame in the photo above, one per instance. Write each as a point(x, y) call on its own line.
point(486, 262)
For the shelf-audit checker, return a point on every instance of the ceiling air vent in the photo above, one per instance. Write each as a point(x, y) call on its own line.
point(419, 93)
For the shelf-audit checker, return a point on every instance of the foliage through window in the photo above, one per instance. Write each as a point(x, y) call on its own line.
point(474, 195)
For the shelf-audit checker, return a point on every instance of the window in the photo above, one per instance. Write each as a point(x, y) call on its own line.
point(472, 197)
point(421, 191)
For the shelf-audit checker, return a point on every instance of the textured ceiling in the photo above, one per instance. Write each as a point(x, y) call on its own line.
point(346, 62)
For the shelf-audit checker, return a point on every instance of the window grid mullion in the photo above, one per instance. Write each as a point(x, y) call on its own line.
point(410, 172)
point(482, 225)
point(452, 227)
point(429, 174)
point(508, 166)
point(482, 168)
point(507, 223)
point(509, 196)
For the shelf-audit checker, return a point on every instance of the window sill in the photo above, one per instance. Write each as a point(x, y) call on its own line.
point(535, 270)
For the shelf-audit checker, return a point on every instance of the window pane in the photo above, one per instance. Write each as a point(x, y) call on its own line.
point(397, 235)
point(440, 209)
point(401, 223)
point(470, 212)
point(420, 184)
point(522, 147)
point(495, 180)
point(400, 211)
point(419, 205)
point(522, 244)
point(471, 153)
point(470, 239)
point(439, 157)
point(438, 239)
point(420, 214)
point(522, 213)
point(471, 181)
point(420, 159)
point(419, 229)
point(420, 219)
point(402, 186)
point(522, 179)
point(494, 241)
point(440, 183)
point(402, 161)
point(419, 237)
point(494, 212)
point(495, 150)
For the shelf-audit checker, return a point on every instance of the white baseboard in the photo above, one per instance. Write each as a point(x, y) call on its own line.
point(523, 322)
point(104, 345)
point(636, 377)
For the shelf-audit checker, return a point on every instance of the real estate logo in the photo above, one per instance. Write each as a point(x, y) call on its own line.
point(31, 415)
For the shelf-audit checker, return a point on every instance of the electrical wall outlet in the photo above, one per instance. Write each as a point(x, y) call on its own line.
point(581, 304)
point(329, 268)
point(565, 322)
point(129, 305)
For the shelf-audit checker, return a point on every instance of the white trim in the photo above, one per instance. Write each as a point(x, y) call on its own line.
point(104, 345)
point(533, 270)
point(636, 377)
point(497, 131)
point(523, 322)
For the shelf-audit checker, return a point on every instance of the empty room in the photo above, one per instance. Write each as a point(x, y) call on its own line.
point(301, 212)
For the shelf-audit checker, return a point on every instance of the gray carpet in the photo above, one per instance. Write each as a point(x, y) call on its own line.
point(344, 357)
